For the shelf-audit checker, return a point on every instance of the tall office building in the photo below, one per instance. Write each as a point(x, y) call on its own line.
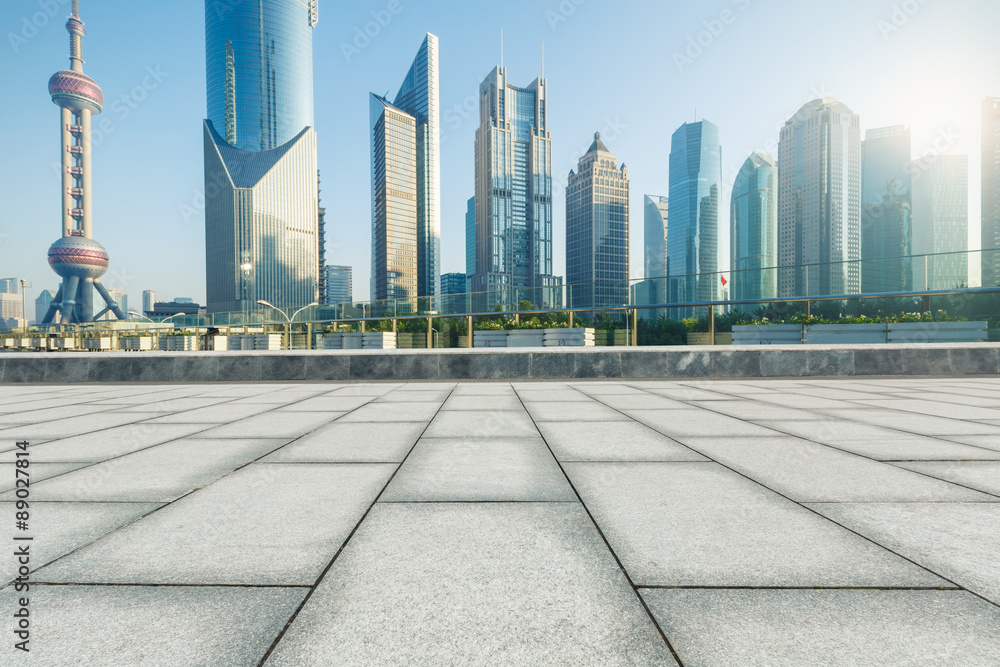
point(514, 193)
point(10, 285)
point(991, 192)
point(406, 183)
point(262, 217)
point(11, 313)
point(886, 237)
point(148, 301)
point(470, 238)
point(654, 238)
point(941, 222)
point(339, 285)
point(695, 193)
point(452, 283)
point(597, 230)
point(754, 231)
point(819, 201)
point(42, 302)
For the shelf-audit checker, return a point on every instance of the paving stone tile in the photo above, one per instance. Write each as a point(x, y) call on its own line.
point(984, 441)
point(407, 395)
point(38, 472)
point(981, 475)
point(365, 390)
point(59, 528)
point(30, 415)
point(612, 441)
point(482, 424)
point(173, 404)
point(215, 414)
point(573, 412)
point(483, 389)
point(265, 524)
point(643, 401)
point(698, 524)
point(273, 425)
point(107, 444)
point(159, 474)
point(916, 448)
point(413, 587)
point(501, 469)
point(958, 541)
point(362, 442)
point(753, 411)
point(836, 432)
point(800, 401)
point(65, 428)
point(327, 404)
point(827, 628)
point(398, 412)
point(922, 424)
point(484, 402)
point(155, 627)
point(539, 394)
point(692, 422)
point(679, 392)
point(808, 472)
point(925, 407)
point(606, 388)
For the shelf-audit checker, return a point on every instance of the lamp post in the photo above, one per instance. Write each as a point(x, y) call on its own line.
point(288, 326)
point(24, 312)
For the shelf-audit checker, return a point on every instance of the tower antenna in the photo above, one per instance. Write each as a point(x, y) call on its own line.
point(543, 60)
point(501, 48)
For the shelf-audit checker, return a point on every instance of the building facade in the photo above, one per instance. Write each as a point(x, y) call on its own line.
point(991, 192)
point(754, 231)
point(941, 223)
point(654, 238)
point(695, 195)
point(819, 201)
point(597, 230)
point(339, 285)
point(42, 302)
point(148, 301)
point(470, 238)
point(262, 218)
point(11, 313)
point(10, 285)
point(453, 283)
point(886, 230)
point(513, 158)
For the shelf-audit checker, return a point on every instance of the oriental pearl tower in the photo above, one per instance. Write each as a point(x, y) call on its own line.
point(77, 258)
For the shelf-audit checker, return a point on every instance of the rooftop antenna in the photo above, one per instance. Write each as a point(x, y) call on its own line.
point(501, 48)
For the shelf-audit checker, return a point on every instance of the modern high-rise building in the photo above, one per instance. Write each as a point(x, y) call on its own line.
point(262, 236)
point(513, 160)
point(148, 301)
point(42, 303)
point(886, 236)
point(819, 201)
point(991, 192)
point(941, 222)
point(406, 182)
point(597, 230)
point(654, 238)
point(339, 285)
point(10, 285)
point(76, 257)
point(695, 195)
point(754, 231)
point(470, 237)
point(452, 283)
point(11, 313)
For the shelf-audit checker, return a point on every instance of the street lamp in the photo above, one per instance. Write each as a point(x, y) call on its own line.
point(24, 312)
point(288, 327)
point(132, 312)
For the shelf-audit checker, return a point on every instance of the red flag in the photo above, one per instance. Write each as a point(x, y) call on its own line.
point(724, 281)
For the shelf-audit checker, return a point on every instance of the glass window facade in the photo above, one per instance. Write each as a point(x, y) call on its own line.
point(754, 219)
point(259, 66)
point(941, 222)
point(991, 192)
point(886, 232)
point(695, 191)
point(339, 284)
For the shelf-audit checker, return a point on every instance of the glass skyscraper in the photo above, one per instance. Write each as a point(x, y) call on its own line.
point(754, 219)
point(597, 231)
point(470, 237)
point(417, 100)
point(819, 201)
point(514, 193)
point(695, 193)
point(262, 214)
point(941, 222)
point(654, 238)
point(991, 192)
point(339, 284)
point(886, 234)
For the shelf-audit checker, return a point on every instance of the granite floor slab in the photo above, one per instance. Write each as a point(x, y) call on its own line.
point(394, 412)
point(482, 424)
point(266, 524)
point(694, 422)
point(573, 412)
point(612, 441)
point(827, 628)
point(698, 524)
point(110, 443)
point(981, 475)
point(145, 626)
point(474, 584)
point(224, 413)
point(360, 442)
point(39, 472)
point(273, 425)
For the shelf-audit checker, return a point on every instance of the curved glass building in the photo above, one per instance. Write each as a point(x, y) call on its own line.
point(259, 65)
point(754, 209)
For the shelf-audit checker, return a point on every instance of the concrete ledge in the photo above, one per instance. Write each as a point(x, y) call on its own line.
point(503, 364)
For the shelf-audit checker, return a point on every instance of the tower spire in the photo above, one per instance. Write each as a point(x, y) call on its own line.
point(76, 32)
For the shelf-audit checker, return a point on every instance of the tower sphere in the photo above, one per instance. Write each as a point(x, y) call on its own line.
point(76, 91)
point(74, 26)
point(78, 256)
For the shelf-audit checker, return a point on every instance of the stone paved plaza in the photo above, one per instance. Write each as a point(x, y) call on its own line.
point(704, 523)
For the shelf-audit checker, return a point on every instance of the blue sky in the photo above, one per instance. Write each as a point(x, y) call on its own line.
point(634, 70)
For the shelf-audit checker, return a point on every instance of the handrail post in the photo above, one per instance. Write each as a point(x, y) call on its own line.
point(430, 333)
point(570, 319)
point(309, 336)
point(635, 327)
point(711, 325)
point(468, 324)
point(288, 336)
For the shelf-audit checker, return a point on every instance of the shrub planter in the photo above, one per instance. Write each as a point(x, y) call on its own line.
point(489, 338)
point(703, 338)
point(379, 341)
point(767, 334)
point(181, 343)
point(97, 343)
point(845, 334)
point(62, 344)
point(40, 343)
point(526, 338)
point(569, 338)
point(136, 343)
point(938, 332)
point(332, 341)
point(610, 337)
point(22, 343)
point(218, 343)
point(267, 341)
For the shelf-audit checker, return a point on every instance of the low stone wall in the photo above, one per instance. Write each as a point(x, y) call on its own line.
point(504, 364)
